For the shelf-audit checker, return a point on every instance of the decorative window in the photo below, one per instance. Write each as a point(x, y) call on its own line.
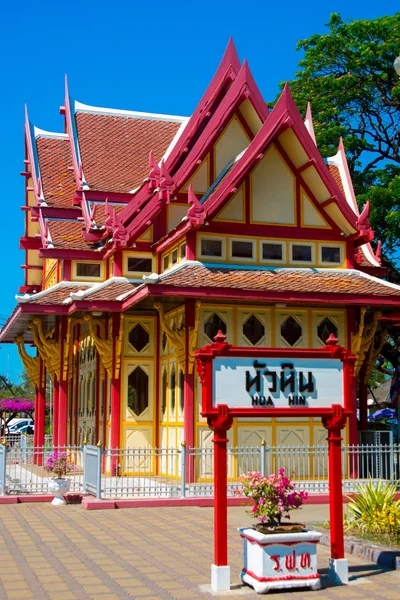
point(181, 390)
point(138, 391)
point(141, 265)
point(253, 330)
point(182, 251)
point(291, 331)
point(302, 252)
point(212, 325)
point(211, 247)
point(172, 387)
point(272, 251)
point(139, 338)
point(164, 391)
point(242, 249)
point(325, 328)
point(331, 254)
point(164, 341)
point(88, 269)
point(166, 262)
point(174, 256)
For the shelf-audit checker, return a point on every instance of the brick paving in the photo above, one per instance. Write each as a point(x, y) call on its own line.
point(66, 553)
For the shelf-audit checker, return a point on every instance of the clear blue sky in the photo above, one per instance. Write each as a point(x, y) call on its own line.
point(147, 56)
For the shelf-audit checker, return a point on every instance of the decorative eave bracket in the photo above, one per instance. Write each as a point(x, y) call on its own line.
point(177, 337)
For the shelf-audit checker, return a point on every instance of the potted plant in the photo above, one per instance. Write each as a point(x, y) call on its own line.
point(59, 465)
point(277, 553)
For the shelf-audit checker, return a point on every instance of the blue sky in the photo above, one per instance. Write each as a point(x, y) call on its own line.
point(148, 56)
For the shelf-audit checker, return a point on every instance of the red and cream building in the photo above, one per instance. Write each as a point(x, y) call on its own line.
point(145, 234)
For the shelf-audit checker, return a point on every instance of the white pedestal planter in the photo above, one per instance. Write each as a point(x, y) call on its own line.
point(280, 561)
point(59, 487)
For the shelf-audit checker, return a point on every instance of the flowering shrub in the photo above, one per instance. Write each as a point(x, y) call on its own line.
point(58, 464)
point(374, 507)
point(274, 496)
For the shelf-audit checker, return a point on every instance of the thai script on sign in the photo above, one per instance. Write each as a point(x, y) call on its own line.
point(297, 384)
point(289, 562)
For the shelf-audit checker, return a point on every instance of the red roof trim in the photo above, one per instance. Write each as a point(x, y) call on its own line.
point(227, 70)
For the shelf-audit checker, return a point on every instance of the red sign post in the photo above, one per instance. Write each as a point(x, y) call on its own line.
point(276, 383)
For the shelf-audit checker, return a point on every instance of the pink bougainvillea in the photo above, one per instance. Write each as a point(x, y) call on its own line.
point(59, 464)
point(274, 496)
point(16, 405)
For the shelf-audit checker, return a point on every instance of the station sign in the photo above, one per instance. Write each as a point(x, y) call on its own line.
point(269, 382)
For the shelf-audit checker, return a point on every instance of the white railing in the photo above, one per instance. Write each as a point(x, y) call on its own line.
point(25, 471)
point(179, 472)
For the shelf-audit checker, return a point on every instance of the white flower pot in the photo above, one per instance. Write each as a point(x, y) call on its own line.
point(280, 561)
point(59, 487)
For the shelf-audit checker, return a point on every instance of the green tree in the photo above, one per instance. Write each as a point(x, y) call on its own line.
point(347, 74)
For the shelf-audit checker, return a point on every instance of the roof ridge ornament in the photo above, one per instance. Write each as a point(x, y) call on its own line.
point(154, 175)
point(114, 226)
point(196, 213)
point(363, 220)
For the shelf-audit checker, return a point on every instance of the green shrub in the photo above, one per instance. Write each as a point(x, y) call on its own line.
point(374, 508)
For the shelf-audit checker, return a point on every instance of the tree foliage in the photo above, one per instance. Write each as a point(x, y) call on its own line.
point(348, 76)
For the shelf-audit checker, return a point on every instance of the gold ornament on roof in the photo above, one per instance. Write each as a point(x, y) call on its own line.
point(363, 338)
point(177, 336)
point(48, 348)
point(31, 363)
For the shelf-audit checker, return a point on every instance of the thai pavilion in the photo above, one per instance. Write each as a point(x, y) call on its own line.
point(146, 234)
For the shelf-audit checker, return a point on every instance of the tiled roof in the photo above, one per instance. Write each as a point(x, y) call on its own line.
point(115, 149)
point(334, 171)
point(57, 177)
point(100, 216)
point(57, 294)
point(110, 292)
point(327, 281)
point(68, 235)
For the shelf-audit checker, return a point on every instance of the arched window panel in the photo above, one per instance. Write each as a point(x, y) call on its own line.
point(291, 331)
point(327, 321)
point(172, 391)
point(213, 324)
point(181, 392)
point(164, 393)
point(254, 330)
point(326, 328)
point(138, 391)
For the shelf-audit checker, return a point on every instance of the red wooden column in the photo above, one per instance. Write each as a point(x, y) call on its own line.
point(338, 565)
point(363, 399)
point(63, 390)
point(40, 410)
point(188, 391)
point(115, 395)
point(220, 570)
point(55, 409)
point(352, 422)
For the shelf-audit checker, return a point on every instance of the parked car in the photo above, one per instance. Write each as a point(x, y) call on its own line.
point(21, 425)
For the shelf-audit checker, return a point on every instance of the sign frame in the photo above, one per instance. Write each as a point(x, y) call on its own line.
point(206, 355)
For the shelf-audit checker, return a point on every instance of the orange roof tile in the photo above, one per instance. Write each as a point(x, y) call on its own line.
point(115, 149)
point(281, 280)
point(68, 235)
point(58, 294)
point(111, 291)
point(57, 178)
point(100, 216)
point(334, 171)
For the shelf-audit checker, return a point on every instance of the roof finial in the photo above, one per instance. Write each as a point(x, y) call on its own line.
point(308, 122)
point(196, 213)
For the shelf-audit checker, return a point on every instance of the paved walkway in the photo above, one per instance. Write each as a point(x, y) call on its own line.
point(65, 553)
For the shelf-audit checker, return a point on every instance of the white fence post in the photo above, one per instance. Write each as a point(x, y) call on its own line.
point(183, 469)
point(262, 450)
point(3, 463)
